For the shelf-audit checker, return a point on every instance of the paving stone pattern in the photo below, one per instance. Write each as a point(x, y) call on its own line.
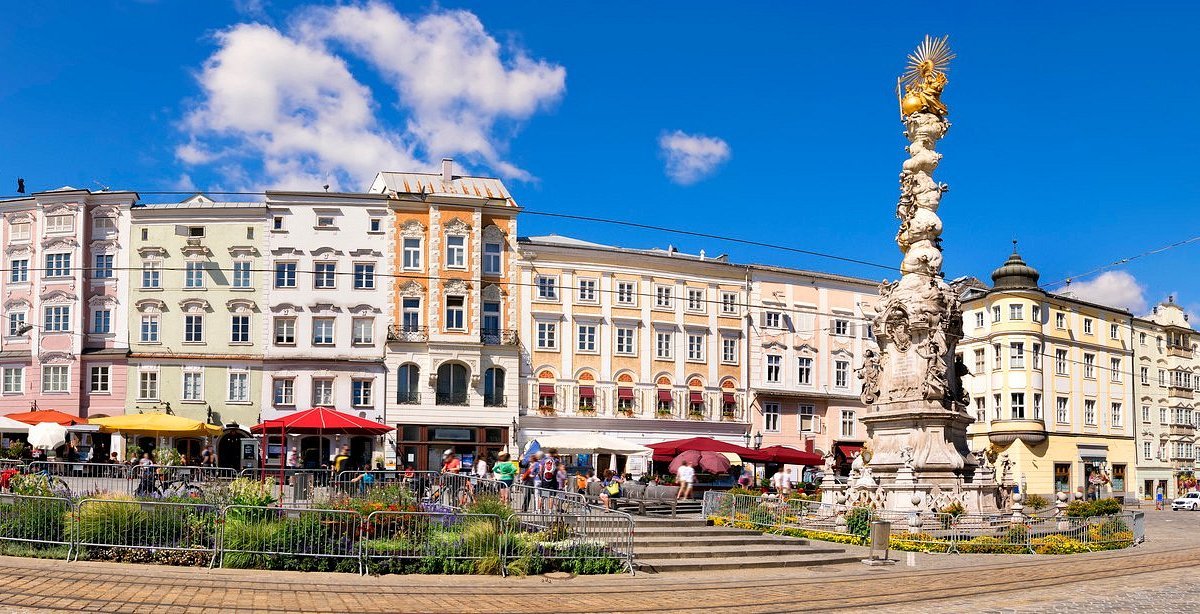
point(1157, 576)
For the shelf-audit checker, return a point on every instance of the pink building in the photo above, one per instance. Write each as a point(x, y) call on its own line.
point(65, 280)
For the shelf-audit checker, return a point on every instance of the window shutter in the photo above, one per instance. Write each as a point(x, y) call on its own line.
point(816, 424)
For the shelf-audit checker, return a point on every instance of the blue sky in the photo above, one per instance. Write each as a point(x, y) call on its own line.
point(1075, 127)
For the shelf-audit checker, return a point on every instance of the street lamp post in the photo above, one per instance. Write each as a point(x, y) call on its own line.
point(746, 438)
point(758, 440)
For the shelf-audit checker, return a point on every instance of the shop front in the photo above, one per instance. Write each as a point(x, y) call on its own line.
point(422, 446)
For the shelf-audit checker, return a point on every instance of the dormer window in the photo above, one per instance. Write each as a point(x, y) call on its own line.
point(195, 232)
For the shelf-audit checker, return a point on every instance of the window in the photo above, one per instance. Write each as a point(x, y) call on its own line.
point(1036, 356)
point(375, 225)
point(58, 319)
point(452, 384)
point(16, 321)
point(362, 331)
point(841, 374)
point(547, 335)
point(326, 222)
point(1089, 412)
point(980, 409)
point(547, 288)
point(285, 331)
point(1035, 314)
point(695, 348)
point(695, 300)
point(239, 387)
point(1114, 373)
point(1116, 415)
point(285, 274)
point(14, 380)
point(491, 318)
point(1146, 414)
point(587, 290)
point(239, 329)
point(1016, 355)
point(625, 341)
point(104, 267)
point(193, 275)
point(997, 359)
point(322, 392)
point(491, 258)
point(456, 252)
point(408, 384)
point(1087, 326)
point(250, 233)
point(284, 391)
point(193, 386)
point(325, 275)
point(151, 275)
point(1114, 331)
point(149, 329)
point(806, 418)
point(772, 319)
point(1146, 450)
point(1162, 415)
point(1144, 375)
point(847, 423)
point(979, 316)
point(774, 362)
point(322, 332)
point(626, 293)
point(1037, 406)
point(1060, 320)
point(195, 231)
point(19, 271)
point(58, 265)
point(241, 274)
point(1142, 338)
point(410, 315)
point(493, 390)
point(19, 231)
point(1089, 366)
point(412, 253)
point(100, 379)
point(101, 322)
point(1017, 406)
point(663, 297)
point(1062, 477)
point(841, 327)
point(979, 360)
point(729, 350)
point(1016, 312)
point(277, 223)
point(729, 303)
point(103, 225)
point(771, 417)
point(664, 345)
point(996, 406)
point(455, 312)
point(1162, 377)
point(148, 385)
point(1060, 361)
point(995, 313)
point(587, 338)
point(193, 328)
point(804, 371)
point(60, 223)
point(145, 234)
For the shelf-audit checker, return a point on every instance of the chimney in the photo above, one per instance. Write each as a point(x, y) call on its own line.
point(447, 170)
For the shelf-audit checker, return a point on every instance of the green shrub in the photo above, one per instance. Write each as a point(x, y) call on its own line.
point(1036, 502)
point(106, 522)
point(35, 520)
point(858, 522)
point(1099, 507)
point(490, 505)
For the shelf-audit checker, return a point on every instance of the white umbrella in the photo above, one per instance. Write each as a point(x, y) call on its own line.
point(8, 425)
point(48, 435)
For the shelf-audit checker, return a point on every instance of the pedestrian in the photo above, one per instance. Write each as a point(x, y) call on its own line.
point(1158, 498)
point(340, 461)
point(786, 483)
point(505, 472)
point(293, 458)
point(686, 475)
point(450, 462)
point(113, 460)
point(206, 455)
point(530, 480)
point(146, 460)
point(481, 468)
point(611, 490)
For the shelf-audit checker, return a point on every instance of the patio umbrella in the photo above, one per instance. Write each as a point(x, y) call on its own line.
point(667, 450)
point(8, 425)
point(712, 462)
point(163, 425)
point(788, 456)
point(38, 416)
point(47, 435)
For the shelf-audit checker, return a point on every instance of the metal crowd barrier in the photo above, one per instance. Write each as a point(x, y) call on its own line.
point(147, 525)
point(405, 541)
point(35, 521)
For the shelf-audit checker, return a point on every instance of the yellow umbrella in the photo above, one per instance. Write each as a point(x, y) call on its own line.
point(157, 424)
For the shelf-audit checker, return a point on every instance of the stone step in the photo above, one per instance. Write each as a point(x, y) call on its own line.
point(690, 533)
point(680, 523)
point(729, 552)
point(709, 564)
point(712, 539)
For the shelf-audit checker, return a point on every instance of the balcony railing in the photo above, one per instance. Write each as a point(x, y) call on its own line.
point(1178, 391)
point(452, 398)
point(408, 334)
point(1179, 351)
point(1181, 428)
point(495, 336)
point(494, 400)
point(408, 398)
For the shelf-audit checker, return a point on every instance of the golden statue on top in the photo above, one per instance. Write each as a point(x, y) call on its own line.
point(925, 78)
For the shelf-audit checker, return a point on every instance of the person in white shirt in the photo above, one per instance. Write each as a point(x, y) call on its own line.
point(686, 476)
point(777, 481)
point(481, 468)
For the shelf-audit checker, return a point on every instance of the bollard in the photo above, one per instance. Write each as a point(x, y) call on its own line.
point(881, 535)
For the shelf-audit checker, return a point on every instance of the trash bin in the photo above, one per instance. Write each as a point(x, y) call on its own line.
point(301, 486)
point(881, 534)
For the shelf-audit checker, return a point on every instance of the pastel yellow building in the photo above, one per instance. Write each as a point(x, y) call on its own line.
point(1050, 384)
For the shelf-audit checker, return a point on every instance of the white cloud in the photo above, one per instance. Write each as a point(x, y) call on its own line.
point(692, 157)
point(286, 107)
point(1112, 288)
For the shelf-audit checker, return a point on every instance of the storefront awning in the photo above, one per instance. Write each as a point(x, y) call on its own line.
point(695, 396)
point(848, 450)
point(1093, 451)
point(727, 398)
point(546, 390)
point(587, 392)
point(625, 393)
point(156, 424)
point(664, 395)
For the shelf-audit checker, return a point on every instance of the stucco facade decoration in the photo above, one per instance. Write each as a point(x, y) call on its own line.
point(64, 286)
point(1166, 378)
point(196, 311)
point(452, 347)
point(807, 332)
point(645, 345)
point(1049, 386)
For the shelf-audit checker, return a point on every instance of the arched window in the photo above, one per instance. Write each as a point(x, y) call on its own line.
point(452, 384)
point(407, 384)
point(493, 387)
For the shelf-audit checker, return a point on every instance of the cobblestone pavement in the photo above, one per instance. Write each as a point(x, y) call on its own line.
point(1155, 576)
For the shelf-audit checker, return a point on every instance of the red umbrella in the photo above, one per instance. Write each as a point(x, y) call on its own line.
point(38, 416)
point(712, 462)
point(322, 420)
point(668, 450)
point(786, 456)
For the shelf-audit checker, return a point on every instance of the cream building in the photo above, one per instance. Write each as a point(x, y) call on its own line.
point(644, 345)
point(196, 319)
point(1050, 386)
point(1168, 374)
point(808, 333)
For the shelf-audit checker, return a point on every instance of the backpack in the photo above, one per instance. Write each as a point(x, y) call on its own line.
point(548, 470)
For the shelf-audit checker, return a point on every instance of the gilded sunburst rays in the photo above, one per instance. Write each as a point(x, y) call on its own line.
point(932, 55)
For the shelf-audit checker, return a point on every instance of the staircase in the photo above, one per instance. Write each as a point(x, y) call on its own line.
point(689, 544)
point(686, 507)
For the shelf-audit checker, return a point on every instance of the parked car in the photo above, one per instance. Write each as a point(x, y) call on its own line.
point(1190, 501)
